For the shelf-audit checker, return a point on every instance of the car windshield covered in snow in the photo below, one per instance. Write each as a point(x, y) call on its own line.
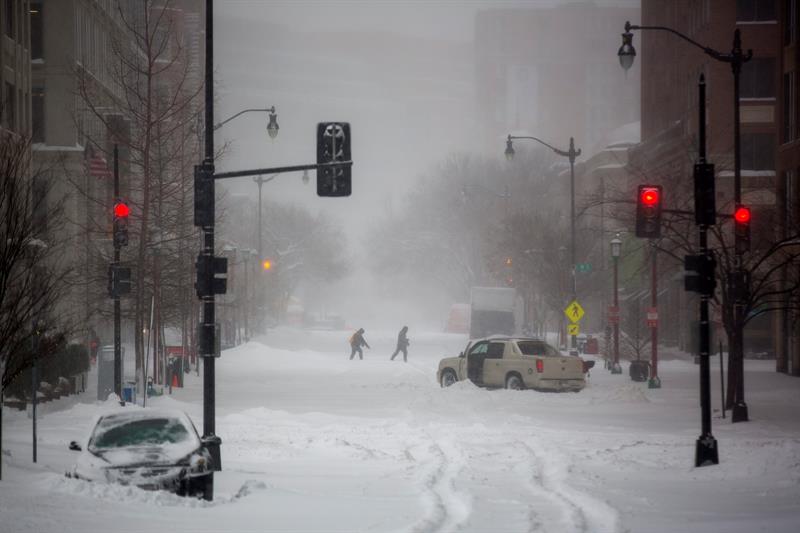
point(537, 348)
point(122, 431)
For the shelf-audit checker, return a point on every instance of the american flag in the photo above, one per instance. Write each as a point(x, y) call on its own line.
point(97, 166)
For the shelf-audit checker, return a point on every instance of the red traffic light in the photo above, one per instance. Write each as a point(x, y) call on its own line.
point(742, 214)
point(649, 196)
point(121, 210)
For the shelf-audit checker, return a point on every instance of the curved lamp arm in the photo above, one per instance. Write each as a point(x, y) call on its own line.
point(270, 110)
point(728, 58)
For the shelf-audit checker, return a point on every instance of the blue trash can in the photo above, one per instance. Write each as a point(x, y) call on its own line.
point(129, 392)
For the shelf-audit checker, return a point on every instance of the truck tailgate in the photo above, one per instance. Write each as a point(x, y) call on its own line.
point(562, 368)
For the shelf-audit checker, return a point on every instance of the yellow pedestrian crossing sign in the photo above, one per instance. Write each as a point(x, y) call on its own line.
point(573, 329)
point(574, 311)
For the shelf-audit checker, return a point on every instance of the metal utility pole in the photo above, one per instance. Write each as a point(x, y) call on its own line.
point(655, 381)
point(208, 333)
point(116, 294)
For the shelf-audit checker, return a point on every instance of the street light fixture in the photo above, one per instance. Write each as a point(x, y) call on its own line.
point(626, 52)
point(572, 153)
point(736, 57)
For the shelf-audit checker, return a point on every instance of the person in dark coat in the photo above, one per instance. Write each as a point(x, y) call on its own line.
point(402, 344)
point(356, 342)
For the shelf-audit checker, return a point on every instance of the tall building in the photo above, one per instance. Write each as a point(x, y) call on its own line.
point(553, 72)
point(671, 68)
point(788, 170)
point(15, 66)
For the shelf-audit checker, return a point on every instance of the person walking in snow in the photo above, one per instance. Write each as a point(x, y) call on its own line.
point(402, 344)
point(356, 342)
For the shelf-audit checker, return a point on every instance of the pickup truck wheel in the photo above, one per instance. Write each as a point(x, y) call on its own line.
point(514, 382)
point(448, 378)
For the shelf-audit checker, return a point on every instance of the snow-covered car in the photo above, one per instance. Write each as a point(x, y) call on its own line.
point(151, 449)
point(515, 363)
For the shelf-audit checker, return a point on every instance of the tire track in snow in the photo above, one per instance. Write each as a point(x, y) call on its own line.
point(447, 509)
point(581, 512)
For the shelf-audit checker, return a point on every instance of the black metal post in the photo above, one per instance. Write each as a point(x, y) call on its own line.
point(117, 307)
point(34, 390)
point(706, 451)
point(207, 341)
point(34, 382)
point(571, 155)
point(615, 364)
point(739, 411)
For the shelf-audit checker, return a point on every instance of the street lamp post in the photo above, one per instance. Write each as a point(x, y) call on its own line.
point(616, 247)
point(736, 57)
point(570, 154)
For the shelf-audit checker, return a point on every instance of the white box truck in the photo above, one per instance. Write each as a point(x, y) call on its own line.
point(494, 311)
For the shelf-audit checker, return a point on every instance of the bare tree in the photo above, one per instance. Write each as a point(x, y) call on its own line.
point(31, 278)
point(158, 99)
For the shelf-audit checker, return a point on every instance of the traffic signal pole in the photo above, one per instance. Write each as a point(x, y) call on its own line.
point(706, 451)
point(116, 294)
point(207, 340)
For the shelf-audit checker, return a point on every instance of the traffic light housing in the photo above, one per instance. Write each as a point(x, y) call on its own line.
point(208, 269)
point(204, 195)
point(121, 214)
point(333, 145)
point(700, 276)
point(705, 202)
point(648, 211)
point(741, 234)
point(739, 285)
point(119, 280)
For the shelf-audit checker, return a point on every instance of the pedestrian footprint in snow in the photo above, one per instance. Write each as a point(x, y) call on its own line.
point(402, 344)
point(356, 342)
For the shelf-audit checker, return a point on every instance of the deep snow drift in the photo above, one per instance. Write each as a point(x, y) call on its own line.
point(315, 442)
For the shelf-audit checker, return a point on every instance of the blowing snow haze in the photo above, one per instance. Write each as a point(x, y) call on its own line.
point(402, 73)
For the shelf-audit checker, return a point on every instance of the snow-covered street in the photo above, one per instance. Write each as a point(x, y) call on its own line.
point(315, 442)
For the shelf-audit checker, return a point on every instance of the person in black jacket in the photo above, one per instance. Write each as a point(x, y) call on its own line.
point(356, 342)
point(402, 344)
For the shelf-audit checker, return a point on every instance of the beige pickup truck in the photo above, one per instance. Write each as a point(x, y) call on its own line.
point(515, 363)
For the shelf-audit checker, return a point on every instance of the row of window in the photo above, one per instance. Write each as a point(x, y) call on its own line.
point(756, 10)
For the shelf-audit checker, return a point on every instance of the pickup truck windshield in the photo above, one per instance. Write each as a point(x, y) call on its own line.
point(537, 348)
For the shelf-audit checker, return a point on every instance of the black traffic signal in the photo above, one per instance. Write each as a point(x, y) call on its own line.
point(204, 195)
point(648, 212)
point(699, 276)
point(208, 267)
point(333, 145)
point(119, 280)
point(741, 233)
point(705, 204)
point(739, 285)
point(210, 335)
point(121, 214)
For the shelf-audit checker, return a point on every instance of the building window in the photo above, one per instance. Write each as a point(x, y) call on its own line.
point(790, 204)
point(37, 114)
point(37, 30)
point(757, 79)
point(9, 105)
point(789, 107)
point(758, 151)
point(790, 23)
point(755, 10)
point(8, 23)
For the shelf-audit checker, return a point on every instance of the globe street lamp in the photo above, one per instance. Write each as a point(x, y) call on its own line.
point(616, 248)
point(570, 154)
point(736, 57)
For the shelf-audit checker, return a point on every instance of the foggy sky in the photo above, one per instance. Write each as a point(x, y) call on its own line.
point(401, 72)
